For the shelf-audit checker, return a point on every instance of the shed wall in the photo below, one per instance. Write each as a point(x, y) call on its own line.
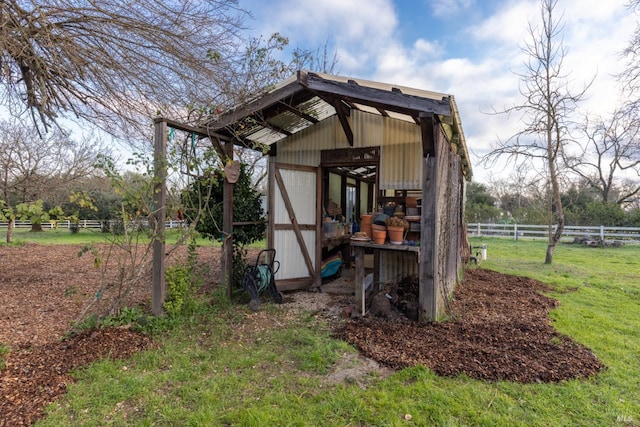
point(400, 156)
point(449, 213)
point(400, 167)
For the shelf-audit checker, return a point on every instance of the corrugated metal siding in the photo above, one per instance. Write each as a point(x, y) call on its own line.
point(401, 156)
point(300, 186)
point(304, 147)
point(368, 130)
point(396, 265)
point(335, 181)
point(400, 142)
point(292, 265)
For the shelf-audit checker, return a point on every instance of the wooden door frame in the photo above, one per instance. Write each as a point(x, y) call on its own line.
point(350, 157)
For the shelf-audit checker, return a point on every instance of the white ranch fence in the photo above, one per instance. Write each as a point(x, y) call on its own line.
point(516, 231)
point(83, 223)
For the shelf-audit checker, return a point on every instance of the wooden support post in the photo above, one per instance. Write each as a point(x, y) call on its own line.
point(343, 195)
point(158, 216)
point(359, 285)
point(227, 226)
point(428, 270)
point(317, 272)
point(271, 201)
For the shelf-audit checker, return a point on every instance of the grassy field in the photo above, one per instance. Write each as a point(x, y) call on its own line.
point(84, 236)
point(225, 367)
point(63, 236)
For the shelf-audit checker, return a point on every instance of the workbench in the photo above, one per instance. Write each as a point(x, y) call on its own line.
point(359, 248)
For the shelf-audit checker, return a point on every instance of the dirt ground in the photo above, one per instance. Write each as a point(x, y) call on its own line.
point(498, 329)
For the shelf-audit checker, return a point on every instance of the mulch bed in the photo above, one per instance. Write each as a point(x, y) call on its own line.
point(499, 330)
point(34, 377)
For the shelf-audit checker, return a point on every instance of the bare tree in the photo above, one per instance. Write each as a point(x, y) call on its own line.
point(546, 109)
point(609, 158)
point(630, 76)
point(30, 166)
point(103, 60)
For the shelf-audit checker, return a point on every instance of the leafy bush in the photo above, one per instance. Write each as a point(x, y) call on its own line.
point(180, 292)
point(182, 283)
point(204, 203)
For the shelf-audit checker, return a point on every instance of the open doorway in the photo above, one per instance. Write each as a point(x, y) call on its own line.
point(350, 180)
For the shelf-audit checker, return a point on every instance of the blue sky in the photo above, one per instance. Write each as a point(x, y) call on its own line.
point(467, 48)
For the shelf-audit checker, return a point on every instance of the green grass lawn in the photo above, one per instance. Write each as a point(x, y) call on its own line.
point(62, 236)
point(23, 236)
point(222, 367)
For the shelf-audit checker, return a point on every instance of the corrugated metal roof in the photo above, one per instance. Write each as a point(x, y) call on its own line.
point(307, 98)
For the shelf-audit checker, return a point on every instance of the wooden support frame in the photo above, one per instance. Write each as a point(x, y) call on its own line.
point(428, 270)
point(158, 278)
point(158, 286)
point(227, 227)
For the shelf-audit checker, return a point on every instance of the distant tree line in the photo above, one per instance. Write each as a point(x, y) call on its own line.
point(501, 203)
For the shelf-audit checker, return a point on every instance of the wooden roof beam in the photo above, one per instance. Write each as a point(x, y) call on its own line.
point(343, 112)
point(427, 129)
point(202, 132)
point(393, 100)
point(259, 104)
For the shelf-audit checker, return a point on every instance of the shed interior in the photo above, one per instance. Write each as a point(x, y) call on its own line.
point(361, 168)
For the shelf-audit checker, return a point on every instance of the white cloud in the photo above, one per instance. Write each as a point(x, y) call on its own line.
point(444, 8)
point(479, 69)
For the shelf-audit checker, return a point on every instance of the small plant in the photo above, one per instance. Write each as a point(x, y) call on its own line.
point(396, 221)
point(180, 294)
point(4, 350)
point(126, 316)
point(182, 283)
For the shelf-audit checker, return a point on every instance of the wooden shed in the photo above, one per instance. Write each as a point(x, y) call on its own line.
point(343, 146)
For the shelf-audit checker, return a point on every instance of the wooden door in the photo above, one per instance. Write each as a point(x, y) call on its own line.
point(295, 224)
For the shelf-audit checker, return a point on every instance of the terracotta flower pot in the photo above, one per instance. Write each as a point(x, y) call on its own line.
point(378, 227)
point(396, 234)
point(366, 225)
point(379, 236)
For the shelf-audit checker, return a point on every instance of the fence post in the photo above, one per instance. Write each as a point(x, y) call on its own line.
point(478, 227)
point(602, 233)
point(515, 231)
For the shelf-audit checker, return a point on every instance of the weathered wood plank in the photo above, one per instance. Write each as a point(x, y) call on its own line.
point(158, 287)
point(227, 227)
point(428, 271)
point(377, 98)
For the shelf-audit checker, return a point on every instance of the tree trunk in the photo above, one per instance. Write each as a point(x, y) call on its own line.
point(550, 248)
point(556, 200)
point(10, 226)
point(35, 227)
